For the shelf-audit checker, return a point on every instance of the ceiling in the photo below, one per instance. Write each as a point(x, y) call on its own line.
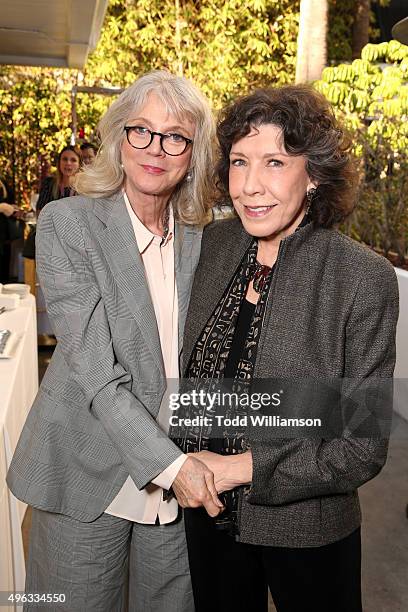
point(49, 32)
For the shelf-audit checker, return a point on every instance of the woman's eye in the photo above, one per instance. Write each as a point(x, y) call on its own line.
point(139, 129)
point(175, 137)
point(237, 162)
point(274, 162)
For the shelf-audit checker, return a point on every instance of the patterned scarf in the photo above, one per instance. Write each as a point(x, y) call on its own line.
point(205, 372)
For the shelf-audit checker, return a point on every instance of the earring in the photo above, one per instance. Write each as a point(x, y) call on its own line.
point(189, 176)
point(310, 195)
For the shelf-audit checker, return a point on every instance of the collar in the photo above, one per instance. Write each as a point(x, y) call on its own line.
point(144, 237)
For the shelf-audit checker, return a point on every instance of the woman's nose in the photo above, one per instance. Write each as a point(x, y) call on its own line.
point(253, 182)
point(155, 147)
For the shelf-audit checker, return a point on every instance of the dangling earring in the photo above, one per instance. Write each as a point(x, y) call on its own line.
point(310, 195)
point(189, 176)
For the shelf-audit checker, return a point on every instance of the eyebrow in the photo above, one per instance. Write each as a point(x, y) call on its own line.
point(171, 127)
point(276, 154)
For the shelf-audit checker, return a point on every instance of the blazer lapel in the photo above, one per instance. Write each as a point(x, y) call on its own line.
point(187, 248)
point(218, 264)
point(119, 245)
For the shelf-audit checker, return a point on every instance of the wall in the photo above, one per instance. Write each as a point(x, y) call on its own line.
point(401, 368)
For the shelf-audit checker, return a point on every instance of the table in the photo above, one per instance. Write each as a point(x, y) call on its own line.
point(18, 388)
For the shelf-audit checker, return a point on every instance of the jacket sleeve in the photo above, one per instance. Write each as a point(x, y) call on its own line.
point(77, 315)
point(290, 470)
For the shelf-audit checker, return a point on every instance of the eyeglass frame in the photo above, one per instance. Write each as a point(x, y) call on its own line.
point(188, 141)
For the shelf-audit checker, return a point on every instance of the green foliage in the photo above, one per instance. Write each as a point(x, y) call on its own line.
point(35, 115)
point(341, 20)
point(341, 17)
point(371, 96)
point(225, 47)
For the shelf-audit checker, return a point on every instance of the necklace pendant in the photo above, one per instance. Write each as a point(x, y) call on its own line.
point(259, 276)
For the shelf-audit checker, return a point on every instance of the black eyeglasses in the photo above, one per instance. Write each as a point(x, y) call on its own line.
point(140, 137)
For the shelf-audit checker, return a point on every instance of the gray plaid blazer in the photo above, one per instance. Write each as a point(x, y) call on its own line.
point(331, 314)
point(93, 420)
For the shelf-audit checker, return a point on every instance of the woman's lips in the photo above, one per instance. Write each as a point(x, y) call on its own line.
point(257, 212)
point(152, 169)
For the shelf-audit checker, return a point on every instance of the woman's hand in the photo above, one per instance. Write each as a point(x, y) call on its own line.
point(194, 486)
point(6, 209)
point(229, 471)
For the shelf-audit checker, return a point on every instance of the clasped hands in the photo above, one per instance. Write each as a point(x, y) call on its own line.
point(205, 474)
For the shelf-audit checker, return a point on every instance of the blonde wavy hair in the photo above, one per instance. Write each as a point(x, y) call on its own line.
point(191, 199)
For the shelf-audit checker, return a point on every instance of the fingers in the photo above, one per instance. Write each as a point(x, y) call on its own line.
point(209, 479)
point(211, 508)
point(194, 487)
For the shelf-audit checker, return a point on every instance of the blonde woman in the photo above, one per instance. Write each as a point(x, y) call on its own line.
point(116, 266)
point(60, 185)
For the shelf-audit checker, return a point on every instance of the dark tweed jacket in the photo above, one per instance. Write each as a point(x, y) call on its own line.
point(332, 312)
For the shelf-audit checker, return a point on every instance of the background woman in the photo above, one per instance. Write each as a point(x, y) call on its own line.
point(53, 188)
point(10, 228)
point(60, 185)
point(280, 294)
point(116, 267)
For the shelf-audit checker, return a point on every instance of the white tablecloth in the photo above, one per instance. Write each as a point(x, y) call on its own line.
point(18, 388)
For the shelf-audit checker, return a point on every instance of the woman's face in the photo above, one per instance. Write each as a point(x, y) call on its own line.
point(151, 171)
point(69, 164)
point(267, 186)
point(88, 156)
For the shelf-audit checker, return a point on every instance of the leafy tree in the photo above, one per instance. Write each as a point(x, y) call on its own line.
point(361, 26)
point(225, 47)
point(35, 115)
point(351, 26)
point(371, 95)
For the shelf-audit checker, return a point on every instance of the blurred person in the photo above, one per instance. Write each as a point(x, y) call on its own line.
point(61, 184)
point(116, 266)
point(88, 153)
point(10, 228)
point(54, 188)
point(6, 211)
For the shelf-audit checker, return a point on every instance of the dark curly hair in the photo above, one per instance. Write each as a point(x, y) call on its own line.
point(309, 128)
